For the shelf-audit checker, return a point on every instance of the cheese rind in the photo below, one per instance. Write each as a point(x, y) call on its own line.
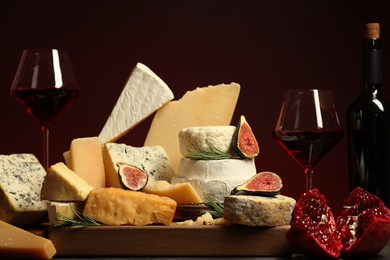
point(142, 95)
point(213, 189)
point(226, 169)
point(258, 210)
point(200, 139)
point(63, 184)
point(113, 206)
point(208, 106)
point(18, 243)
point(21, 178)
point(215, 178)
point(85, 158)
point(182, 193)
point(152, 159)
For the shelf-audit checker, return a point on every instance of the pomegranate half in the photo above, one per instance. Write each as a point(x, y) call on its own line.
point(364, 224)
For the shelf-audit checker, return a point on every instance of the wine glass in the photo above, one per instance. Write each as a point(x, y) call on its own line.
point(45, 86)
point(308, 127)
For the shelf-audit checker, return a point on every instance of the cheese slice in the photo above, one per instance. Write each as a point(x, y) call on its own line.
point(113, 206)
point(86, 159)
point(62, 184)
point(258, 210)
point(182, 193)
point(142, 95)
point(152, 159)
point(208, 106)
point(18, 243)
point(21, 178)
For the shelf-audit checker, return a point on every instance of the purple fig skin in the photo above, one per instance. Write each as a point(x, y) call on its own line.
point(265, 183)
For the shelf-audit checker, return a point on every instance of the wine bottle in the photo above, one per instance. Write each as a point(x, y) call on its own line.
point(369, 124)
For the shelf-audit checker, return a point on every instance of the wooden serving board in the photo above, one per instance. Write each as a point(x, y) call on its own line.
point(171, 241)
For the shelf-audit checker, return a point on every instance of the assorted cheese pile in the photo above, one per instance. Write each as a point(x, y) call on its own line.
point(209, 162)
point(209, 106)
point(188, 157)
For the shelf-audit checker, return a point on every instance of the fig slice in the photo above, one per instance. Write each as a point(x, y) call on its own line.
point(263, 183)
point(313, 227)
point(244, 142)
point(364, 224)
point(132, 177)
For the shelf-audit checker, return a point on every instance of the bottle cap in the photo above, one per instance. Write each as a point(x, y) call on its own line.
point(372, 31)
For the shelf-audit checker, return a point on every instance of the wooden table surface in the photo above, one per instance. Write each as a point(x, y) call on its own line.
point(383, 255)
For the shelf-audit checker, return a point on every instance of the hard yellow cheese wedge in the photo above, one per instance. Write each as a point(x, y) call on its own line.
point(208, 106)
point(86, 159)
point(62, 184)
point(114, 206)
point(18, 243)
point(182, 193)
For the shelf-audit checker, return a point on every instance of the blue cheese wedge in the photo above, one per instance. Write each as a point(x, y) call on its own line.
point(143, 94)
point(152, 159)
point(258, 210)
point(21, 178)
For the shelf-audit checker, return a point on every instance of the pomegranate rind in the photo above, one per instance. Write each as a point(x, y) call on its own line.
point(364, 224)
point(313, 228)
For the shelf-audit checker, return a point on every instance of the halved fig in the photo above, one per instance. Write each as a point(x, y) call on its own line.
point(132, 177)
point(364, 224)
point(263, 183)
point(244, 141)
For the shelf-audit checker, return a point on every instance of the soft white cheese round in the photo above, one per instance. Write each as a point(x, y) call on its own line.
point(200, 139)
point(214, 189)
point(226, 169)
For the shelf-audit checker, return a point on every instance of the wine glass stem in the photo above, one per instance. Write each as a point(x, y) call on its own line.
point(45, 132)
point(309, 178)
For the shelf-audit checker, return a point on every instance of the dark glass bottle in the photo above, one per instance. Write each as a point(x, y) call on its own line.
point(369, 124)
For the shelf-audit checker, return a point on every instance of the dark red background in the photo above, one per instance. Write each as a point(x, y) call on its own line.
point(265, 46)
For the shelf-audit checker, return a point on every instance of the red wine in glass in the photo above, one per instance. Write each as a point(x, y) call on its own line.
point(45, 104)
point(308, 147)
point(45, 86)
point(307, 127)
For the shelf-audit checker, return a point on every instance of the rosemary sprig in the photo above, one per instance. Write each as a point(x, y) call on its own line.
point(217, 207)
point(212, 154)
point(81, 221)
